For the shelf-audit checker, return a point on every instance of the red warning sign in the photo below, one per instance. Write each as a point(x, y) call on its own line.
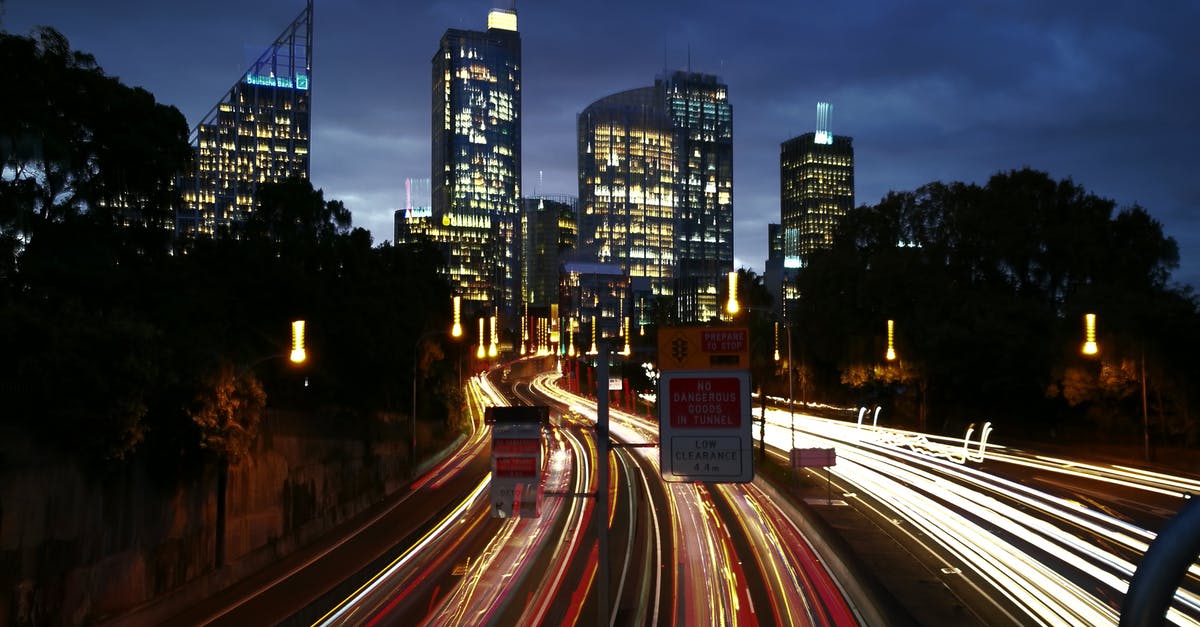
point(705, 402)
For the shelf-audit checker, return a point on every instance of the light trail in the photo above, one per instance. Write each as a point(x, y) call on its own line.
point(710, 584)
point(1030, 545)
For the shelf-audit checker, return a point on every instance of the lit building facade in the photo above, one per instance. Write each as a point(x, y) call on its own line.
point(773, 274)
point(816, 177)
point(258, 133)
point(627, 186)
point(476, 160)
point(596, 300)
point(548, 233)
point(703, 120)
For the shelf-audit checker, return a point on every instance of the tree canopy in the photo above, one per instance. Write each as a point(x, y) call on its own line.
point(987, 287)
point(121, 341)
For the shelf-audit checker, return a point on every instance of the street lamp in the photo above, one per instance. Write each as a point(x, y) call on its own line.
point(298, 355)
point(891, 337)
point(731, 306)
point(1089, 334)
point(482, 352)
point(454, 332)
point(492, 347)
point(1091, 348)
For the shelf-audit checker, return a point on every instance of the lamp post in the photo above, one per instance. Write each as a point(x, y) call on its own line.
point(1091, 348)
point(731, 306)
point(891, 337)
point(455, 332)
point(297, 356)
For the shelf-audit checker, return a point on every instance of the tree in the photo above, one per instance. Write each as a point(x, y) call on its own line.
point(227, 410)
point(985, 284)
point(74, 141)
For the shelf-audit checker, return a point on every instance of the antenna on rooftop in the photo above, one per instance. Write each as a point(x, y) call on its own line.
point(823, 136)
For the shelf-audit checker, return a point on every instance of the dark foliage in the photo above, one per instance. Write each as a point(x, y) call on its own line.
point(119, 341)
point(987, 287)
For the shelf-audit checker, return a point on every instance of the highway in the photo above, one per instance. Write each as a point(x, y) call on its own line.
point(680, 553)
point(736, 556)
point(1043, 540)
point(1016, 537)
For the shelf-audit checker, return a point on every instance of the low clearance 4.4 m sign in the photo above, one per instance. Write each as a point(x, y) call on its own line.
point(704, 426)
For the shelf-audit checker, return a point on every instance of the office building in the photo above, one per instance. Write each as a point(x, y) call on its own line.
point(413, 222)
point(816, 177)
point(773, 276)
point(476, 160)
point(656, 188)
point(258, 133)
point(703, 121)
point(597, 302)
point(627, 186)
point(548, 234)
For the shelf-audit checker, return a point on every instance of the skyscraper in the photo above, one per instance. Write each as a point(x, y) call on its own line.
point(548, 232)
point(476, 164)
point(703, 119)
point(656, 187)
point(773, 273)
point(627, 186)
point(816, 178)
point(258, 133)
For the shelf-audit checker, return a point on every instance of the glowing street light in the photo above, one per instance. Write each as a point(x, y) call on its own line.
point(1089, 335)
point(456, 331)
point(891, 347)
point(776, 340)
point(731, 307)
point(492, 347)
point(299, 355)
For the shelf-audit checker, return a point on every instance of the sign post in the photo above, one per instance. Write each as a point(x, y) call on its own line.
point(516, 461)
point(816, 458)
point(704, 405)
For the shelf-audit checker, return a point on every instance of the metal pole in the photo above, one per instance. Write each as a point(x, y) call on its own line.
point(1145, 414)
point(791, 405)
point(602, 611)
point(414, 408)
point(762, 426)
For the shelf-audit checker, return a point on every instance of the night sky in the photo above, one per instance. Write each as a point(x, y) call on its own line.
point(1103, 93)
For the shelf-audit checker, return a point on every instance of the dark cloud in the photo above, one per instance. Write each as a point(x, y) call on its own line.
point(1104, 94)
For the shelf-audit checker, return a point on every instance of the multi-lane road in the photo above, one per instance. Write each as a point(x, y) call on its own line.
point(1012, 537)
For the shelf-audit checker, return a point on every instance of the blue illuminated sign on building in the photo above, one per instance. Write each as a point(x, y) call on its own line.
point(278, 81)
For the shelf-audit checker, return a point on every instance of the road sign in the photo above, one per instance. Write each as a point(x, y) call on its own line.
point(704, 426)
point(521, 414)
point(813, 457)
point(516, 469)
point(704, 348)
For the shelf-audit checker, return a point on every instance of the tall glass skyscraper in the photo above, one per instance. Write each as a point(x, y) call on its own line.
point(258, 133)
point(816, 177)
point(627, 186)
point(703, 120)
point(548, 233)
point(476, 165)
point(656, 187)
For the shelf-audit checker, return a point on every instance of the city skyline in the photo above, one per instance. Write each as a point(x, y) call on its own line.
point(931, 92)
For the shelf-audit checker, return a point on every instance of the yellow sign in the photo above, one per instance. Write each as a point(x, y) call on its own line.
point(704, 348)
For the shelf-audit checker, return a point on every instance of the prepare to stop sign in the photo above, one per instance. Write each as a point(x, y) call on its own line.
point(707, 402)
